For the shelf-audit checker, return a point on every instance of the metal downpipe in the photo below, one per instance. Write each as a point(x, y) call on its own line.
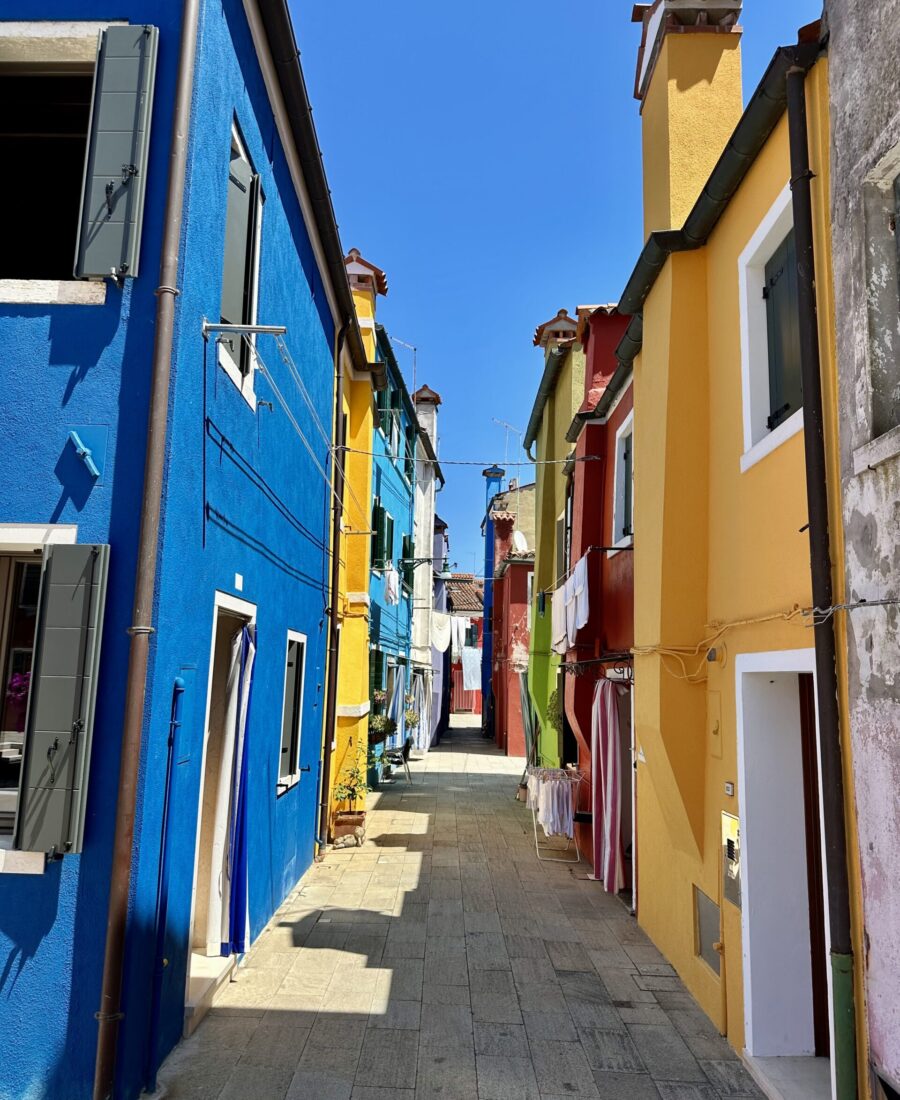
point(333, 610)
point(837, 872)
point(110, 1014)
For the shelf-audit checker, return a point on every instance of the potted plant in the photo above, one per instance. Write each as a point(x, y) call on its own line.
point(380, 728)
point(412, 718)
point(350, 825)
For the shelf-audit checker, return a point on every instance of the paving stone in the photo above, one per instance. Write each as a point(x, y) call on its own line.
point(447, 971)
point(435, 994)
point(507, 1040)
point(541, 997)
point(622, 989)
point(364, 1092)
point(665, 1053)
point(498, 1008)
point(610, 957)
point(388, 1059)
point(446, 1074)
point(403, 1015)
point(503, 1078)
point(533, 970)
point(562, 1069)
point(610, 1050)
point(252, 1082)
point(337, 1030)
point(322, 1084)
point(486, 951)
point(569, 956)
point(625, 1086)
point(446, 1025)
point(525, 947)
point(729, 1078)
point(550, 1025)
point(678, 1090)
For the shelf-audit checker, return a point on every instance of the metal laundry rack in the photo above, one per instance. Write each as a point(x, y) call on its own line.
point(573, 778)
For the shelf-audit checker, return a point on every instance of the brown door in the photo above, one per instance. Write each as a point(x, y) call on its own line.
point(814, 878)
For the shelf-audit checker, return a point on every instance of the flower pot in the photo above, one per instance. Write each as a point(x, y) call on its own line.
point(349, 828)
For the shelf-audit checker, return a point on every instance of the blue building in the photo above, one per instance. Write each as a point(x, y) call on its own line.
point(164, 590)
point(493, 476)
point(391, 578)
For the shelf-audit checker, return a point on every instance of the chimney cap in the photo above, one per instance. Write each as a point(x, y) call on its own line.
point(425, 395)
point(677, 16)
point(562, 323)
point(356, 265)
point(494, 472)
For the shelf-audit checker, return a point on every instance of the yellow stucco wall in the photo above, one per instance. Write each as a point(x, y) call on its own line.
point(351, 734)
point(715, 545)
point(550, 501)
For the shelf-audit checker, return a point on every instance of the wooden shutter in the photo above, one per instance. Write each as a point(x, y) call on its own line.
point(408, 568)
point(60, 723)
point(783, 327)
point(377, 534)
point(387, 551)
point(410, 464)
point(238, 234)
point(115, 172)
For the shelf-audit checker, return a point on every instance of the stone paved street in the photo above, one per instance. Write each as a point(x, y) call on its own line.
point(443, 960)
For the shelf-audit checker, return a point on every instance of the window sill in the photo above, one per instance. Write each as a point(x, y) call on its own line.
point(879, 450)
point(13, 862)
point(286, 783)
point(622, 544)
point(772, 441)
point(53, 292)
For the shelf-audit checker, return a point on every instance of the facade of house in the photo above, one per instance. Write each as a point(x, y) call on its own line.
point(558, 398)
point(745, 840)
point(493, 478)
point(511, 514)
point(391, 569)
point(429, 479)
point(601, 535)
point(865, 165)
point(465, 601)
point(350, 741)
point(440, 648)
point(224, 729)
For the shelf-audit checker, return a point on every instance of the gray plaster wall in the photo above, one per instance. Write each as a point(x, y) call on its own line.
point(864, 74)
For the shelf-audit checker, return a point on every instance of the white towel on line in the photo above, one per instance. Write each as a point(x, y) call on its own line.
point(582, 606)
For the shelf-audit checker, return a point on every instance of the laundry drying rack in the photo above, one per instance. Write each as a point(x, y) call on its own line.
point(571, 778)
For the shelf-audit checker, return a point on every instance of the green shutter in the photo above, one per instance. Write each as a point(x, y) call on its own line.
point(115, 173)
point(59, 727)
point(783, 327)
point(238, 241)
point(410, 465)
point(377, 534)
point(387, 550)
point(628, 472)
point(408, 568)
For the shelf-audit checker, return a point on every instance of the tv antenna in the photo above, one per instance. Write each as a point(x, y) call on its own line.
point(508, 428)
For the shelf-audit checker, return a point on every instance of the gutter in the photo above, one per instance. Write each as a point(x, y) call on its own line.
point(552, 367)
point(279, 29)
point(428, 447)
point(109, 1015)
point(759, 119)
point(621, 376)
point(837, 876)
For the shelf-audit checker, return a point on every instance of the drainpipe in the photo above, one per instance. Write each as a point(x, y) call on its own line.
point(337, 510)
point(110, 1014)
point(843, 1022)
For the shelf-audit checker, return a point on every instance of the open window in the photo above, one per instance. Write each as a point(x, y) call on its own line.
point(240, 269)
point(51, 618)
point(623, 495)
point(770, 334)
point(75, 111)
point(292, 710)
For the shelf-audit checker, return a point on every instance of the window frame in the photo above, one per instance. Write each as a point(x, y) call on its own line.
point(287, 780)
point(759, 440)
point(624, 432)
point(231, 364)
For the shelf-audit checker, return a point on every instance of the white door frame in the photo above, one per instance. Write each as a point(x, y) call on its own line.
point(222, 601)
point(777, 661)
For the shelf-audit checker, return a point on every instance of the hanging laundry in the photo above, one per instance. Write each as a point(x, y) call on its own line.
point(582, 606)
point(569, 596)
point(471, 663)
point(551, 798)
point(441, 628)
point(606, 787)
point(397, 710)
point(391, 584)
point(458, 630)
point(559, 640)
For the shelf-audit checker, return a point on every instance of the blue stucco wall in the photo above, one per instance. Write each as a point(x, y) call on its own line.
point(242, 496)
point(390, 626)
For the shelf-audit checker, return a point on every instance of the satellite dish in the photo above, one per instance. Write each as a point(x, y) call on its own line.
point(520, 543)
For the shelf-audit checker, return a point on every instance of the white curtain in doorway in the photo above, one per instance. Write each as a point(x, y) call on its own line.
point(606, 787)
point(225, 840)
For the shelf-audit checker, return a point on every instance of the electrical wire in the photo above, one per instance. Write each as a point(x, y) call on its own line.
point(473, 462)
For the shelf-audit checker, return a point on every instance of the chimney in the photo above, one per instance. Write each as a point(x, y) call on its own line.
point(493, 476)
point(688, 82)
point(558, 329)
point(426, 401)
point(366, 282)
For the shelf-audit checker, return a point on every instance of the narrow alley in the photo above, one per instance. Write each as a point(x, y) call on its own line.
point(442, 959)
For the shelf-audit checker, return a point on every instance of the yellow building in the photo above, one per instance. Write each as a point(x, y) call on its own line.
point(350, 747)
point(739, 817)
point(559, 395)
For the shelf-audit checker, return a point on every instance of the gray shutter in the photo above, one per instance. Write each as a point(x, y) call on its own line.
point(115, 173)
point(238, 227)
point(59, 727)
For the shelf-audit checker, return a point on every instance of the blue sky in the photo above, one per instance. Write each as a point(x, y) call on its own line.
point(488, 158)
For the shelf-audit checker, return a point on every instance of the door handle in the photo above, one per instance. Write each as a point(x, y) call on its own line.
point(306, 769)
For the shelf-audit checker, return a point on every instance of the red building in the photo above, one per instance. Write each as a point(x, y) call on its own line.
point(465, 600)
point(512, 513)
point(600, 530)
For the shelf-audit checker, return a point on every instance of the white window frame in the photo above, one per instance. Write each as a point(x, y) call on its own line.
point(759, 440)
point(37, 41)
point(626, 428)
point(529, 589)
point(226, 357)
point(286, 782)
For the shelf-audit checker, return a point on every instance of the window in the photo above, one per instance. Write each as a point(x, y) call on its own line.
point(87, 114)
point(409, 464)
point(882, 251)
point(388, 549)
point(623, 495)
point(407, 564)
point(240, 270)
point(560, 547)
point(292, 710)
point(770, 335)
point(51, 617)
point(376, 675)
point(395, 426)
point(382, 536)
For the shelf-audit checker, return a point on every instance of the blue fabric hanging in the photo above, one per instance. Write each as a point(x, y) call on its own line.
point(238, 907)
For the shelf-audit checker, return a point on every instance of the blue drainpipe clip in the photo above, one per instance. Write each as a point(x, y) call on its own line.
point(85, 454)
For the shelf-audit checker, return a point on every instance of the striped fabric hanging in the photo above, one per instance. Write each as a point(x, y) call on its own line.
point(606, 787)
